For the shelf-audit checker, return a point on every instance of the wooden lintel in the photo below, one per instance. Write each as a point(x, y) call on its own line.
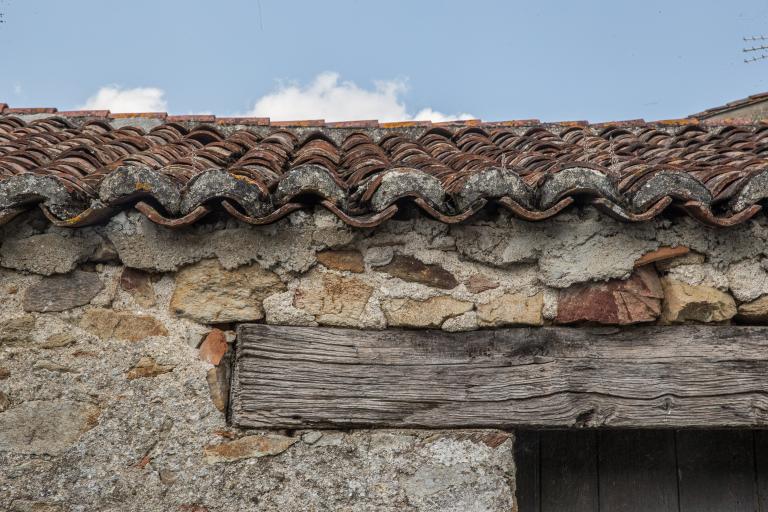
point(550, 377)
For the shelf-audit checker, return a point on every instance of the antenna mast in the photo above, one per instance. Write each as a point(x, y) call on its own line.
point(758, 52)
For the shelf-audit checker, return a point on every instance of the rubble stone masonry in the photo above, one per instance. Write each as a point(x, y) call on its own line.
point(115, 341)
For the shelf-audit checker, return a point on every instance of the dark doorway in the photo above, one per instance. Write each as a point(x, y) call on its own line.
point(642, 471)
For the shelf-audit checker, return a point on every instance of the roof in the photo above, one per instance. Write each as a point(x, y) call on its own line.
point(749, 101)
point(81, 168)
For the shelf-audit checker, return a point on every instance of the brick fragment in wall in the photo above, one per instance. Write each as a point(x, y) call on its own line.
point(663, 253)
point(616, 302)
point(214, 347)
point(208, 293)
point(684, 302)
point(349, 260)
point(414, 270)
point(429, 313)
point(333, 299)
point(511, 309)
point(62, 292)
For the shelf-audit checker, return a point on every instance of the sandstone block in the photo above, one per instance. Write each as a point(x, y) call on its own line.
point(351, 261)
point(333, 299)
point(755, 312)
point(511, 309)
point(147, 367)
point(413, 270)
point(139, 284)
point(45, 427)
point(248, 447)
point(107, 323)
point(208, 293)
point(616, 302)
point(62, 292)
point(430, 313)
point(684, 302)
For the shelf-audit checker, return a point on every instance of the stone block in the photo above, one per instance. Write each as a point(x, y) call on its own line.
point(413, 270)
point(208, 293)
point(333, 299)
point(429, 313)
point(351, 261)
point(617, 302)
point(511, 309)
point(62, 292)
point(123, 325)
point(684, 302)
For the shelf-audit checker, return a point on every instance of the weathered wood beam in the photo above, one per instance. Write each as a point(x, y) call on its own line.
point(647, 377)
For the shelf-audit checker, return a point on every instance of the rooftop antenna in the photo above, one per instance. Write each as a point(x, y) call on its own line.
point(751, 51)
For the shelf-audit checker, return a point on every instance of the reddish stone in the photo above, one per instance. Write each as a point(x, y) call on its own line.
point(410, 269)
point(214, 347)
point(636, 300)
point(351, 261)
point(479, 283)
point(661, 254)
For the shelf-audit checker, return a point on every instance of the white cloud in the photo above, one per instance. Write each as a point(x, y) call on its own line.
point(17, 89)
point(327, 97)
point(117, 99)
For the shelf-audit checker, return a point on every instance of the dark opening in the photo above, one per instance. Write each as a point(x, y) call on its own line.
point(642, 470)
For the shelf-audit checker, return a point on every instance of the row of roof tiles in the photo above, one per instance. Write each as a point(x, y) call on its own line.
point(80, 173)
point(370, 123)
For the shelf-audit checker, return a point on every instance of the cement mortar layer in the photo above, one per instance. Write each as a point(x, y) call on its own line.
point(579, 246)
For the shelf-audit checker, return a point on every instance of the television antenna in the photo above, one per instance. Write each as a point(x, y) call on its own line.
point(755, 52)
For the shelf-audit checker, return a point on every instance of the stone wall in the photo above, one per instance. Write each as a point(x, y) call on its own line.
point(114, 341)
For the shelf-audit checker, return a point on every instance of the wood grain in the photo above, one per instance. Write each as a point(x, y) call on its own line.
point(649, 377)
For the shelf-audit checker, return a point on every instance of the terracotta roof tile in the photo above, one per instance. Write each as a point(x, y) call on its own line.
point(84, 113)
point(731, 105)
point(245, 121)
point(192, 118)
point(303, 123)
point(371, 123)
point(132, 115)
point(25, 110)
point(179, 168)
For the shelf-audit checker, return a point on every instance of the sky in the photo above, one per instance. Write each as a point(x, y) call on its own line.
point(387, 60)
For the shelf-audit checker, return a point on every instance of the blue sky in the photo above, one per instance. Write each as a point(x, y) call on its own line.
point(348, 59)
